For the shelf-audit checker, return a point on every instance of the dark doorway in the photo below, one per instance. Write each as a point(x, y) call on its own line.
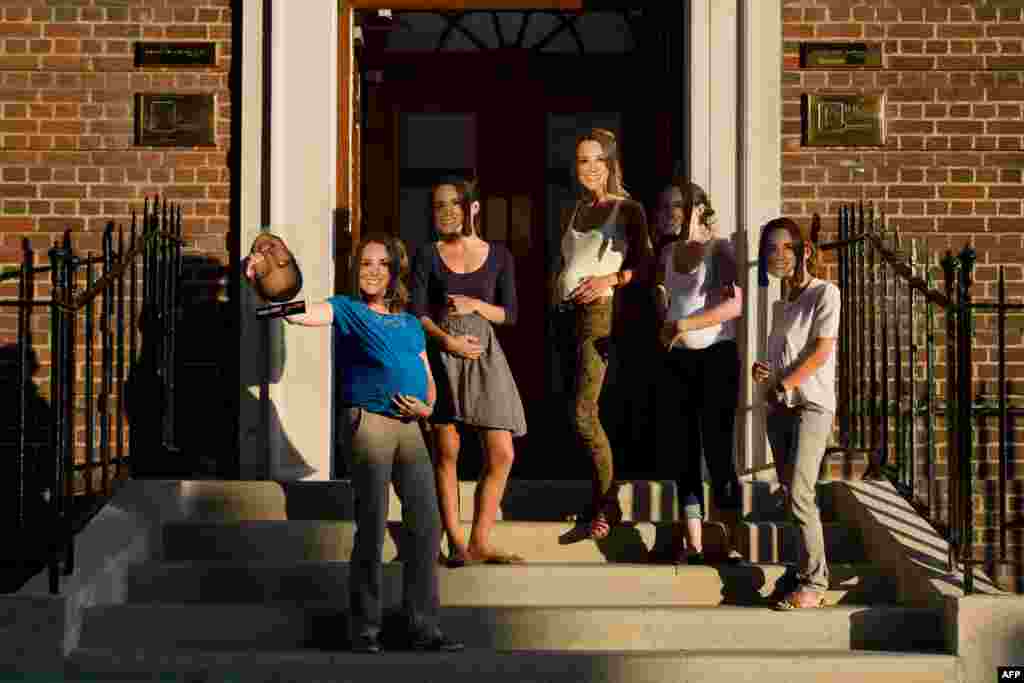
point(503, 95)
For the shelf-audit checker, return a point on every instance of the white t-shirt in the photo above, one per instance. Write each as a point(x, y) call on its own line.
point(595, 252)
point(796, 326)
point(700, 289)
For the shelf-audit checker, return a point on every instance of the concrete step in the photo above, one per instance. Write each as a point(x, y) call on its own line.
point(288, 626)
point(635, 585)
point(524, 500)
point(777, 542)
point(771, 542)
point(474, 666)
point(551, 501)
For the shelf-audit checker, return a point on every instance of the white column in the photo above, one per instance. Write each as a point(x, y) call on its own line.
point(761, 196)
point(303, 150)
point(253, 433)
point(735, 154)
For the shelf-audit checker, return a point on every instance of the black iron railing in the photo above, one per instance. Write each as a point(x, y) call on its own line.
point(888, 350)
point(54, 493)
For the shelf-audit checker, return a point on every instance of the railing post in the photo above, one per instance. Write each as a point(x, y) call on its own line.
point(26, 292)
point(844, 339)
point(965, 422)
point(862, 341)
point(929, 387)
point(90, 427)
point(1004, 413)
point(949, 266)
point(119, 456)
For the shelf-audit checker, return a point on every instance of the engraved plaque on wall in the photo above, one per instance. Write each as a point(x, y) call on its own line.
point(178, 55)
point(174, 120)
point(843, 120)
point(840, 55)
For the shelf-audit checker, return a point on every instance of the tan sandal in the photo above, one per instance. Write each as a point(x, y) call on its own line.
point(791, 602)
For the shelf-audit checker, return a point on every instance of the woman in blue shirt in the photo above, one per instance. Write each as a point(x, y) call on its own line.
point(380, 352)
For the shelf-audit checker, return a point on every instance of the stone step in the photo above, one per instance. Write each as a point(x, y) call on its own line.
point(287, 626)
point(637, 585)
point(473, 666)
point(551, 501)
point(537, 542)
point(777, 542)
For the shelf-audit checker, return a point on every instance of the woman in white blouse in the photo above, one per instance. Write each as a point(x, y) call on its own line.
point(699, 303)
point(604, 246)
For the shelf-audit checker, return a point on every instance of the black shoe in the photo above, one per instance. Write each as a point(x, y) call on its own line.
point(695, 558)
point(368, 645)
point(435, 643)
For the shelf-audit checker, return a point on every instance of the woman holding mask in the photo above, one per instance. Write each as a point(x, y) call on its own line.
point(462, 287)
point(698, 303)
point(799, 377)
point(604, 246)
point(387, 386)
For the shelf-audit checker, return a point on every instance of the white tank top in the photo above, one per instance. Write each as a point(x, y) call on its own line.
point(694, 292)
point(598, 251)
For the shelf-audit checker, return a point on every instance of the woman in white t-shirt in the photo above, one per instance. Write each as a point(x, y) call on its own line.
point(698, 305)
point(800, 372)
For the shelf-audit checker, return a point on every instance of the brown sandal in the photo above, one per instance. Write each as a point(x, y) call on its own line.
point(607, 513)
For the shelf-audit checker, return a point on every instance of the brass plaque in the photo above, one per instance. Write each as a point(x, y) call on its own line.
point(175, 54)
point(843, 120)
point(840, 55)
point(174, 120)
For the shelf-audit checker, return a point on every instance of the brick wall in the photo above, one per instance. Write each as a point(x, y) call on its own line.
point(68, 159)
point(950, 171)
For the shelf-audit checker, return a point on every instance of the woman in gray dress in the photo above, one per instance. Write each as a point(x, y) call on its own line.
point(462, 286)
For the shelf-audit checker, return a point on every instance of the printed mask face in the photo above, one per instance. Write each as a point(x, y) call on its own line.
point(591, 166)
point(449, 215)
point(669, 217)
point(374, 270)
point(781, 254)
point(275, 274)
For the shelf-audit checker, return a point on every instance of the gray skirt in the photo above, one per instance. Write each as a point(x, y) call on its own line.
point(480, 392)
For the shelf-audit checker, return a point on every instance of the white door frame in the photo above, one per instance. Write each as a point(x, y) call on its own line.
point(735, 49)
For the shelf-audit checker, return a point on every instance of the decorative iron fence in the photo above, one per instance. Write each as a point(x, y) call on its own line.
point(55, 493)
point(888, 349)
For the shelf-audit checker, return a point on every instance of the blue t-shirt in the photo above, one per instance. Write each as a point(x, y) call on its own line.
point(378, 355)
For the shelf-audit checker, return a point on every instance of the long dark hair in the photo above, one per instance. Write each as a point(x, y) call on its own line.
point(800, 236)
point(468, 192)
point(609, 154)
point(397, 295)
point(693, 196)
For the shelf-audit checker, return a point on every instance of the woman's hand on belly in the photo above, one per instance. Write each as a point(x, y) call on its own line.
point(592, 288)
point(410, 406)
point(464, 346)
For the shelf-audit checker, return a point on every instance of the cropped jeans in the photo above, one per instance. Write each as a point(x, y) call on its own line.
point(798, 437)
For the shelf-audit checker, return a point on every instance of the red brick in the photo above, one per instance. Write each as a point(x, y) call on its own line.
point(901, 62)
point(961, 63)
point(911, 30)
point(962, 127)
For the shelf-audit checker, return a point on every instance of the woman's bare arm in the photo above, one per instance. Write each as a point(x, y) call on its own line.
point(316, 315)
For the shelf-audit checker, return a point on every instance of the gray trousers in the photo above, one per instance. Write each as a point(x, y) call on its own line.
point(798, 437)
point(385, 450)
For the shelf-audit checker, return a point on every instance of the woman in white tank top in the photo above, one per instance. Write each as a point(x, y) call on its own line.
point(698, 306)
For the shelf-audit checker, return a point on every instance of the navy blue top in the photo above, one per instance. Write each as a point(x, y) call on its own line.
point(378, 355)
point(432, 281)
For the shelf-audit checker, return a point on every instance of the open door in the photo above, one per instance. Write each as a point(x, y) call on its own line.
point(508, 112)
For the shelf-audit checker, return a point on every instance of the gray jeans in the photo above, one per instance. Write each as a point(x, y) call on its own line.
point(385, 450)
point(798, 437)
